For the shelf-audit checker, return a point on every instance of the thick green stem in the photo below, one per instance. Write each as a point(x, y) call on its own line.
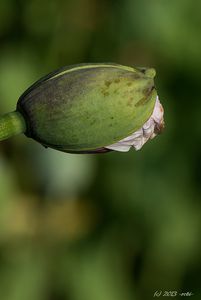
point(11, 124)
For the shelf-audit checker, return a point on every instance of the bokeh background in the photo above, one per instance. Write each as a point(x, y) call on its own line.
point(113, 226)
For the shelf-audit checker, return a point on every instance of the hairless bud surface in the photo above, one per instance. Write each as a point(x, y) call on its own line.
point(89, 108)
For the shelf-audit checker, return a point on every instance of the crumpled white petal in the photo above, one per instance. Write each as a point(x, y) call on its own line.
point(148, 131)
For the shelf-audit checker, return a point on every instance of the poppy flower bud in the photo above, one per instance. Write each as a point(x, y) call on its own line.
point(90, 108)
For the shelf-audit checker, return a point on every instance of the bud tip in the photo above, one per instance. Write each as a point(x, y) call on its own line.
point(151, 72)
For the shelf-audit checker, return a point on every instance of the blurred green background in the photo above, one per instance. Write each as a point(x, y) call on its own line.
point(113, 226)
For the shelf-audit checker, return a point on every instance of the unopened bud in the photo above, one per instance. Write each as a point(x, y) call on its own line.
point(92, 108)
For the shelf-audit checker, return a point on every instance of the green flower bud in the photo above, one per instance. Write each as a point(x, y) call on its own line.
point(85, 108)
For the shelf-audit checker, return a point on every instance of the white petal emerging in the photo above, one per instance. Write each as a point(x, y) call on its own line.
point(148, 131)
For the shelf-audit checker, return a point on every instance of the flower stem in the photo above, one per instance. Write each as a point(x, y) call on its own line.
point(11, 124)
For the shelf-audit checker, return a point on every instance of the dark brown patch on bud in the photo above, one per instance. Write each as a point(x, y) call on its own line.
point(108, 83)
point(159, 128)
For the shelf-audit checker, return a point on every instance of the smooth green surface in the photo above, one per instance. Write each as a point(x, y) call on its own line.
point(11, 124)
point(91, 66)
point(88, 106)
